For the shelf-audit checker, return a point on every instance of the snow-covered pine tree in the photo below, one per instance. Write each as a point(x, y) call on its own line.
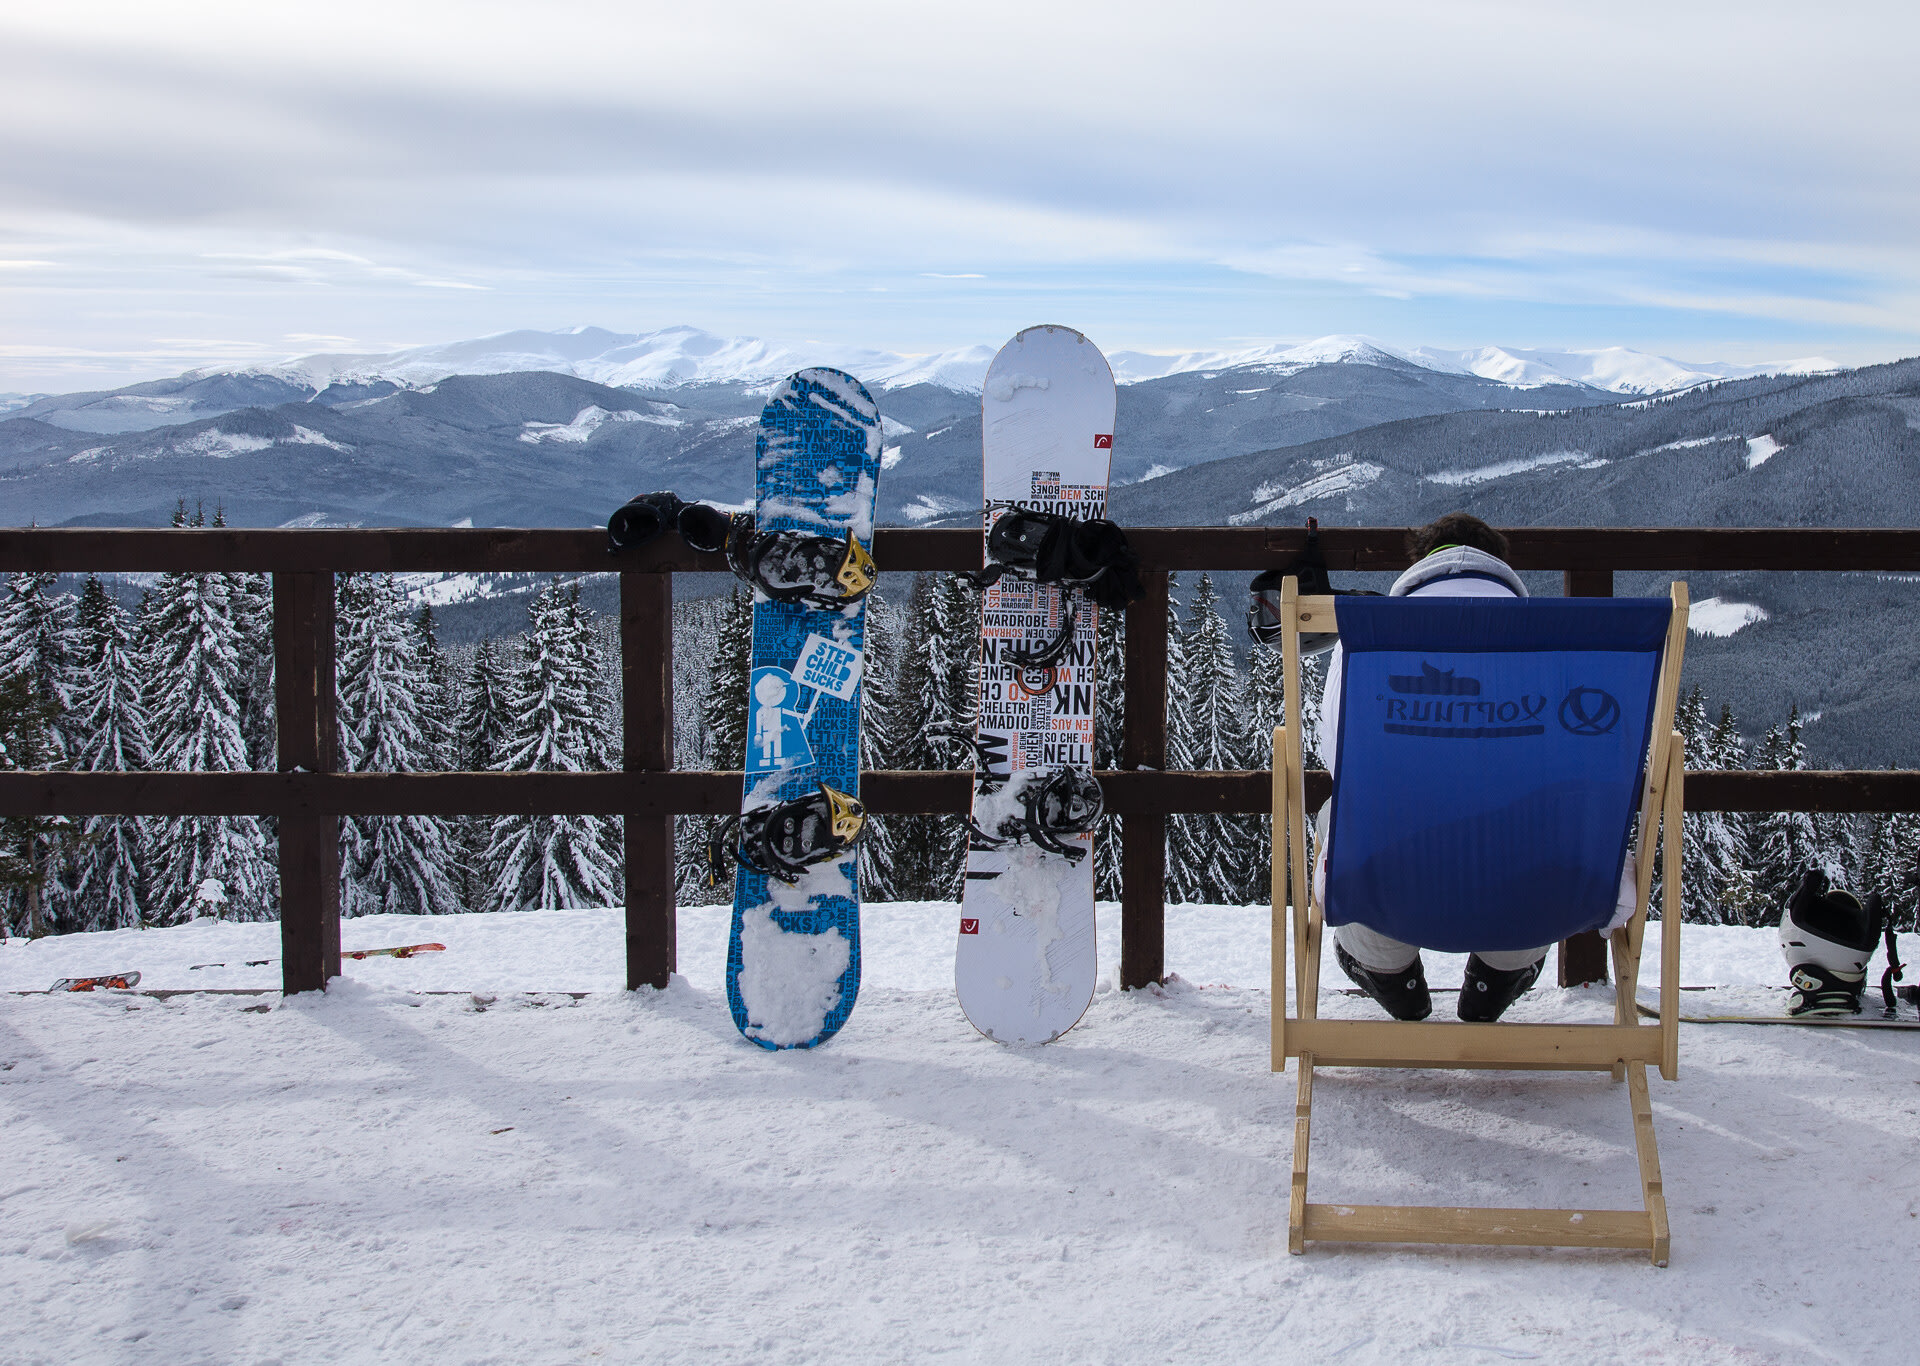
point(1739, 896)
point(37, 642)
point(1209, 856)
point(1263, 702)
point(193, 714)
point(252, 597)
point(548, 861)
point(390, 865)
point(439, 695)
point(880, 718)
point(1785, 843)
point(936, 671)
point(32, 847)
point(482, 730)
point(1710, 853)
point(109, 725)
point(723, 721)
point(1109, 740)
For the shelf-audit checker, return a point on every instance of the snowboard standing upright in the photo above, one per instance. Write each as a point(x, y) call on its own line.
point(1025, 962)
point(793, 957)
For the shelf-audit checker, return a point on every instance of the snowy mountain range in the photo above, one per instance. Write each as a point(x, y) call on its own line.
point(676, 356)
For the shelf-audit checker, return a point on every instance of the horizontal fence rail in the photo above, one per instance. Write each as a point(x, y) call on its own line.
point(309, 797)
point(690, 793)
point(81, 550)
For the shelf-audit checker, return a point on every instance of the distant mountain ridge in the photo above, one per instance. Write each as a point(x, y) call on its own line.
point(679, 357)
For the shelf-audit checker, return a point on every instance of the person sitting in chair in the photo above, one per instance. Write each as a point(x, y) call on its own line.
point(1457, 556)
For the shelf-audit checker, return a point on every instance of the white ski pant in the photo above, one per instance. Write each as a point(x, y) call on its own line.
point(1386, 955)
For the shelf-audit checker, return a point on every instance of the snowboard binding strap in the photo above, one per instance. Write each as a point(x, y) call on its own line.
point(797, 566)
point(1054, 804)
point(1042, 806)
point(783, 841)
point(1088, 554)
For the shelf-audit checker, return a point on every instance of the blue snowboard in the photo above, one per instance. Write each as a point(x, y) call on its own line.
point(793, 957)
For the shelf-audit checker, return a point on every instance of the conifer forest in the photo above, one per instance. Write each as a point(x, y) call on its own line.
point(181, 679)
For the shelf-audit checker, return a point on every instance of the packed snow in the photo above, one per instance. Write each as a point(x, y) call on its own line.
point(1761, 449)
point(1342, 475)
point(585, 423)
point(1722, 617)
point(513, 1174)
point(1485, 473)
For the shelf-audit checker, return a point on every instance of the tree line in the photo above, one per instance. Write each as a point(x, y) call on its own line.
point(184, 681)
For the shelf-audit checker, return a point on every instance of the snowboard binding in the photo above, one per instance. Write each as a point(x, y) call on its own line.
point(1088, 554)
point(796, 566)
point(1265, 622)
point(784, 841)
point(634, 523)
point(1043, 807)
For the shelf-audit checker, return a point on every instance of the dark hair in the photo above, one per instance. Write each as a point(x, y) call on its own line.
point(1456, 528)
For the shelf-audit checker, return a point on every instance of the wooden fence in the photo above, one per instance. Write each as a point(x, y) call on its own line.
point(309, 797)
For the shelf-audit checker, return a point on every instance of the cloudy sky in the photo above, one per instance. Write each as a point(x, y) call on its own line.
point(194, 183)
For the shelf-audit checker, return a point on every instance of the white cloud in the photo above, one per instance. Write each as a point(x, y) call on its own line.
point(1401, 169)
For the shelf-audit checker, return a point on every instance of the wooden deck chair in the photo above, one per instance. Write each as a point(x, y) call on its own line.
point(1492, 754)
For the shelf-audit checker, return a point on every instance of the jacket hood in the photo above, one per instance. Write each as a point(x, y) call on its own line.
point(1454, 560)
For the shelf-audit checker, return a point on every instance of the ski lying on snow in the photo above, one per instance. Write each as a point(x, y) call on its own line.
point(1024, 965)
point(398, 951)
point(117, 981)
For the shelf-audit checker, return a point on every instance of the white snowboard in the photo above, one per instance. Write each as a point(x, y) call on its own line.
point(1025, 962)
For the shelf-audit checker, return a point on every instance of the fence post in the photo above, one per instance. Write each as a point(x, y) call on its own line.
point(303, 644)
point(1583, 958)
point(1143, 839)
point(646, 674)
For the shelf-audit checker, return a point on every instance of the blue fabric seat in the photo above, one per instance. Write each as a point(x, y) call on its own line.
point(1490, 763)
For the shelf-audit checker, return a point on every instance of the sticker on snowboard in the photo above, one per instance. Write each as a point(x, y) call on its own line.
point(793, 956)
point(1024, 965)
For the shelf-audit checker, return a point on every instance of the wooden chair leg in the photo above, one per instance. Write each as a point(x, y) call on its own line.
point(1650, 1185)
point(1302, 1133)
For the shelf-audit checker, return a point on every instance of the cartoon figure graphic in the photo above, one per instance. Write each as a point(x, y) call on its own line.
point(776, 733)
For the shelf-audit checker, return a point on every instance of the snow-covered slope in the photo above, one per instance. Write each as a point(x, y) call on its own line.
point(380, 1176)
point(675, 356)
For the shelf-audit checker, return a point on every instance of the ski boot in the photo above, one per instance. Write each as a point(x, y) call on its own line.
point(1827, 937)
point(1403, 994)
point(1486, 992)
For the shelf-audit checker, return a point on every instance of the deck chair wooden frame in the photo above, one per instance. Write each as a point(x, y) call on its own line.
point(1623, 1048)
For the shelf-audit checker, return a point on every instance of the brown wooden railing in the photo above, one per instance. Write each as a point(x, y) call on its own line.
point(309, 797)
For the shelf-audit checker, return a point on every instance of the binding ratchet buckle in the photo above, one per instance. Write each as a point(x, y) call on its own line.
point(783, 841)
point(798, 566)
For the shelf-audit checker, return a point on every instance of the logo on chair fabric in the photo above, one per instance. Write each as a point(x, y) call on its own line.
point(1432, 682)
point(1589, 711)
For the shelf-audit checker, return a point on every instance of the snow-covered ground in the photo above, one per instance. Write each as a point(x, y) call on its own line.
point(379, 1174)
